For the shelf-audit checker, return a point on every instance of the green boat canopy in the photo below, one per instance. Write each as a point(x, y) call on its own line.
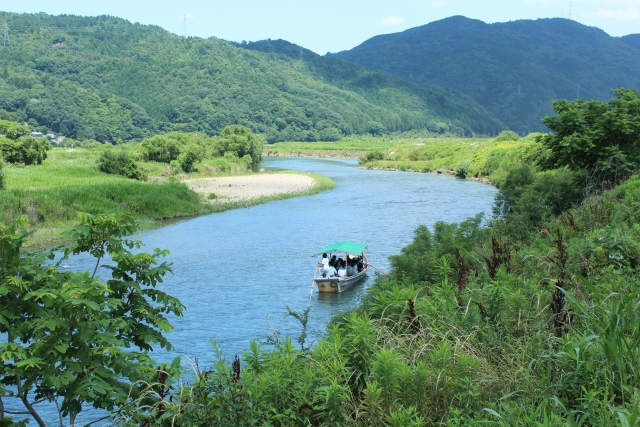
point(350, 248)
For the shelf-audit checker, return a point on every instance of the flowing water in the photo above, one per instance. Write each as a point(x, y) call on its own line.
point(233, 269)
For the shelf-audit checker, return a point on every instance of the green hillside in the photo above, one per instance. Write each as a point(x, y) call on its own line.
point(514, 69)
point(632, 40)
point(107, 79)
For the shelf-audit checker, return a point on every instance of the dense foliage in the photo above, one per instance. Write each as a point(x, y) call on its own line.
point(473, 325)
point(534, 321)
point(601, 140)
point(107, 79)
point(119, 162)
point(15, 147)
point(443, 102)
point(73, 338)
point(514, 69)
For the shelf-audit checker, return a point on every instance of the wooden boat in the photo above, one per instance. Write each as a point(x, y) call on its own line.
point(334, 284)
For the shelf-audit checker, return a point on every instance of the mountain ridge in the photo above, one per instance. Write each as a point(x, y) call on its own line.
point(105, 78)
point(546, 59)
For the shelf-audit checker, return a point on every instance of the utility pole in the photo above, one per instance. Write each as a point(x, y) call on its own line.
point(578, 91)
point(184, 27)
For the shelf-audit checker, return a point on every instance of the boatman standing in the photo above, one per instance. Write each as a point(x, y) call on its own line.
point(325, 265)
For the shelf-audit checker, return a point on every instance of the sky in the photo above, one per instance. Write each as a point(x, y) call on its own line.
point(332, 25)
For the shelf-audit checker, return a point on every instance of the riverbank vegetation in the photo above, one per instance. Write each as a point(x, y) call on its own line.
point(532, 321)
point(480, 158)
point(141, 178)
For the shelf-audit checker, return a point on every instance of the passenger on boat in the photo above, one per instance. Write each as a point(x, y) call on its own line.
point(351, 270)
point(325, 265)
point(342, 272)
point(333, 261)
point(332, 271)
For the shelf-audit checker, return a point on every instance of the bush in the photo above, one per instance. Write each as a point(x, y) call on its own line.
point(462, 169)
point(526, 199)
point(175, 167)
point(190, 154)
point(507, 135)
point(118, 162)
point(371, 157)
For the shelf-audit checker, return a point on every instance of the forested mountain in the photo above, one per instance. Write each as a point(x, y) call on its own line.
point(632, 40)
point(107, 79)
point(514, 69)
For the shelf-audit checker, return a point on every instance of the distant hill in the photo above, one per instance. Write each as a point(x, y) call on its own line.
point(632, 40)
point(514, 69)
point(107, 79)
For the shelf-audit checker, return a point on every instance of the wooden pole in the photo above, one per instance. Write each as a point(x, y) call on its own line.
point(376, 268)
point(313, 281)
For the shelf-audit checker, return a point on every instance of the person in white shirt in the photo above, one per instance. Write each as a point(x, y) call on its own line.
point(342, 272)
point(332, 271)
point(325, 265)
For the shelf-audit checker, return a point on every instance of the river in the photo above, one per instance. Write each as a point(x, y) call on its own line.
point(232, 269)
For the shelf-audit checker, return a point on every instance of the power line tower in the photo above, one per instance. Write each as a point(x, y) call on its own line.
point(6, 34)
point(570, 10)
point(184, 27)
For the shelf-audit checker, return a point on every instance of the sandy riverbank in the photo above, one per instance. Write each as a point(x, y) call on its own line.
point(243, 188)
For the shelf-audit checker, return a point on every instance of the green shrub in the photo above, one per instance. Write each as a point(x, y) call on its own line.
point(175, 167)
point(371, 156)
point(462, 170)
point(507, 135)
point(119, 162)
point(190, 154)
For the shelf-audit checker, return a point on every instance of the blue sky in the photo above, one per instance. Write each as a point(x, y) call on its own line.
point(333, 25)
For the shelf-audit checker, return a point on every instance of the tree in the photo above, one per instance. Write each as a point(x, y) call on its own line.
point(12, 130)
point(16, 147)
point(190, 154)
point(601, 139)
point(73, 338)
point(240, 140)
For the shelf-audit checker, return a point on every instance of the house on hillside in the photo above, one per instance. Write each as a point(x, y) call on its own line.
point(35, 134)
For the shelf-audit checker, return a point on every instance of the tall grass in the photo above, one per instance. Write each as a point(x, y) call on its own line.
point(53, 193)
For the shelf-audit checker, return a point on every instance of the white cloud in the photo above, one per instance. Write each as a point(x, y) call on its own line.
point(627, 14)
point(438, 3)
point(392, 20)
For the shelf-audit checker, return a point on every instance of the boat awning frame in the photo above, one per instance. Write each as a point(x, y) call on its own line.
point(349, 248)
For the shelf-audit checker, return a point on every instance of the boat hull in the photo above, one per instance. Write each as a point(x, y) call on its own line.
point(339, 284)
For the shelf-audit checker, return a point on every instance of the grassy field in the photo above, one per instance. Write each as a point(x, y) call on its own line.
point(344, 148)
point(53, 193)
point(479, 158)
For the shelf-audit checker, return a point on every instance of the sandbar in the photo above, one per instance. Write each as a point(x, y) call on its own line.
point(248, 187)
